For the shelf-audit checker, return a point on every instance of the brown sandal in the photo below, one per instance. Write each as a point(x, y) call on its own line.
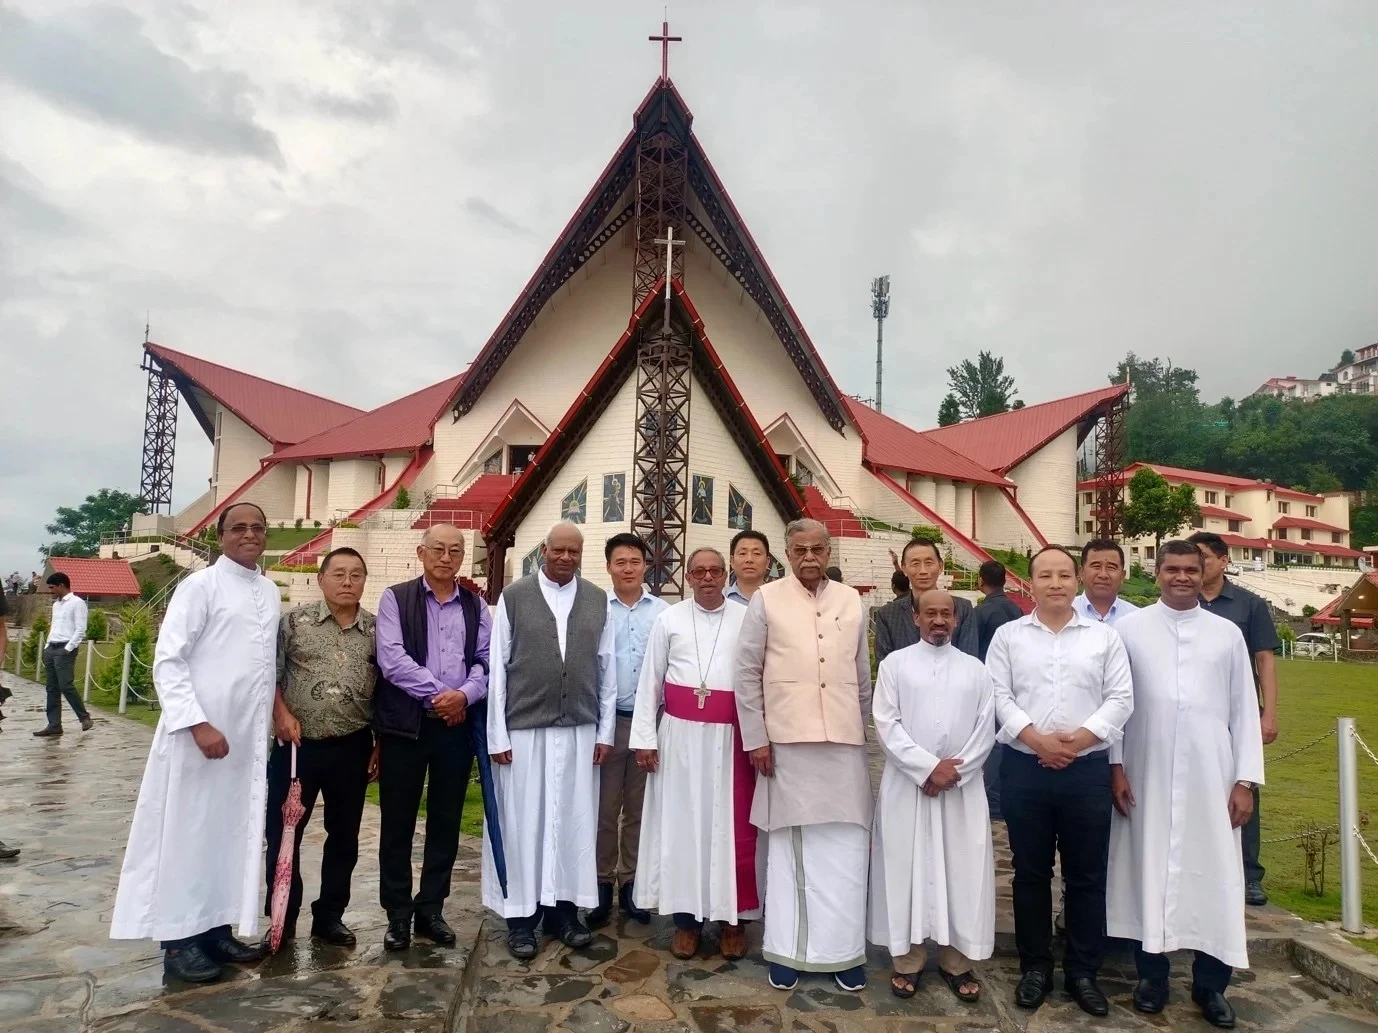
point(956, 981)
point(910, 987)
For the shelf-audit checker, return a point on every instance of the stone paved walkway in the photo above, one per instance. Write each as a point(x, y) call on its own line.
point(67, 804)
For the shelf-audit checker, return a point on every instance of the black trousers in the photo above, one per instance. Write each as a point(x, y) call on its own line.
point(1250, 839)
point(62, 671)
point(337, 769)
point(1207, 972)
point(440, 760)
point(216, 933)
point(1063, 812)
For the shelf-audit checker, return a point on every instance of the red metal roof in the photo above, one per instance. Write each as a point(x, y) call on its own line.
point(1003, 441)
point(889, 443)
point(1307, 522)
point(399, 426)
point(1328, 549)
point(1220, 513)
point(283, 415)
point(1239, 541)
point(1364, 587)
point(97, 577)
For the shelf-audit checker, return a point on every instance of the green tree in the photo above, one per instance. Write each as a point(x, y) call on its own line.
point(79, 530)
point(1346, 357)
point(1157, 508)
point(927, 533)
point(950, 411)
point(403, 499)
point(982, 388)
point(1150, 377)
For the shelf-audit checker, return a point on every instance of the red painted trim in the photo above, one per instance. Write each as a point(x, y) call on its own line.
point(310, 482)
point(973, 512)
point(231, 499)
point(822, 468)
point(1019, 511)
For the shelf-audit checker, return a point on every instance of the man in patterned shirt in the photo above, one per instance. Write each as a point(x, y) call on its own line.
point(324, 707)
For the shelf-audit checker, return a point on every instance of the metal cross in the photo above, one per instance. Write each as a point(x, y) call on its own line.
point(670, 244)
point(665, 39)
point(702, 693)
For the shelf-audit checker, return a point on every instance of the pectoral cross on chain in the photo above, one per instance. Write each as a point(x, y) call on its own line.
point(670, 244)
point(702, 693)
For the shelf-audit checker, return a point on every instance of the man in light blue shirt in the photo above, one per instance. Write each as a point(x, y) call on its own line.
point(632, 609)
point(1102, 574)
point(750, 560)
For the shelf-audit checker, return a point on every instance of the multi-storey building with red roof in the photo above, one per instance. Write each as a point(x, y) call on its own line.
point(685, 411)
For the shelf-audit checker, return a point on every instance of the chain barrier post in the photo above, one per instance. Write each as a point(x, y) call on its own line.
point(124, 676)
point(1351, 884)
point(86, 683)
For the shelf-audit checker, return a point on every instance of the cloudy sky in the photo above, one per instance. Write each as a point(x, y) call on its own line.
point(346, 194)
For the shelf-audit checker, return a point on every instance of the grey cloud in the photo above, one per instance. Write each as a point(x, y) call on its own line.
point(374, 107)
point(478, 207)
point(448, 35)
point(23, 206)
point(97, 62)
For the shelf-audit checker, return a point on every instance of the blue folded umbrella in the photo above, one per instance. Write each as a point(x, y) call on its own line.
point(477, 720)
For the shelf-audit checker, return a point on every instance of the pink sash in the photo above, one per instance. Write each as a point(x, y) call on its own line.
point(720, 708)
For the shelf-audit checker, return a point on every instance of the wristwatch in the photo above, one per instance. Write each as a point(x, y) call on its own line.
point(1245, 783)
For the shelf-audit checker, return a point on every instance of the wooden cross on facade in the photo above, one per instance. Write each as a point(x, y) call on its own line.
point(665, 39)
point(670, 243)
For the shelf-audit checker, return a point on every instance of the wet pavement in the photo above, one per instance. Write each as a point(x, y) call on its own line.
point(67, 804)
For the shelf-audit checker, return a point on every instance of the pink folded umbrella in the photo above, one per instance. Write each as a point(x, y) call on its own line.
point(292, 813)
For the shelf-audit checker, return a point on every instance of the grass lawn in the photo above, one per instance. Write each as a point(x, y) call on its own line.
point(280, 538)
point(1305, 788)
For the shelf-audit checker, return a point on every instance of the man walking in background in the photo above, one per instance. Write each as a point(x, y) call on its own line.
point(750, 559)
point(632, 609)
point(65, 635)
point(432, 644)
point(1249, 613)
point(323, 710)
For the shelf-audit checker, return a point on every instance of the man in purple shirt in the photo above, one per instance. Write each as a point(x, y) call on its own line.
point(432, 647)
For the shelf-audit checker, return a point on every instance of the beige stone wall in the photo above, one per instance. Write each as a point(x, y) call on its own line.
point(237, 454)
point(352, 483)
point(1048, 489)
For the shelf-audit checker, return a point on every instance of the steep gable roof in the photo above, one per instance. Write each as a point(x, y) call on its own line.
point(607, 208)
point(283, 415)
point(399, 426)
point(887, 443)
point(602, 387)
point(1003, 441)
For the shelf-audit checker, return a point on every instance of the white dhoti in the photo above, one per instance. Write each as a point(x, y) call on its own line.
point(816, 897)
point(548, 799)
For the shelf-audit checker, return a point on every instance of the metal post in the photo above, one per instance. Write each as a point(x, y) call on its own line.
point(124, 676)
point(1351, 877)
point(86, 686)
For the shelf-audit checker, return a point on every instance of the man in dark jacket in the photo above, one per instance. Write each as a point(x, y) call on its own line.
point(996, 608)
point(432, 643)
point(921, 562)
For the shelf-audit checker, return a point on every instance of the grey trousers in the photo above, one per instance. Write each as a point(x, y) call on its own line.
point(62, 671)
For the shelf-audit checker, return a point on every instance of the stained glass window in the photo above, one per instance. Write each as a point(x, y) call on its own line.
point(575, 505)
point(493, 464)
point(614, 498)
point(531, 562)
point(738, 510)
point(702, 499)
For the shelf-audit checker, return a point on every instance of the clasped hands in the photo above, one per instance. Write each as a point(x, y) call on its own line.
point(943, 777)
point(1056, 750)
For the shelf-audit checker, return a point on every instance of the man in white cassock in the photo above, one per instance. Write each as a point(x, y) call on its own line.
point(552, 710)
point(803, 691)
point(697, 855)
point(193, 868)
point(1183, 781)
point(932, 861)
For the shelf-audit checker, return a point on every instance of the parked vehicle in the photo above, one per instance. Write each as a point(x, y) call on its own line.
point(1234, 569)
point(1313, 644)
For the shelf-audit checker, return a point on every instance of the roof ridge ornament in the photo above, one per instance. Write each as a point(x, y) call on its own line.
point(665, 39)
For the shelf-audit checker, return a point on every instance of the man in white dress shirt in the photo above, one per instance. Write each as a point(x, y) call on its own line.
point(932, 860)
point(65, 635)
point(1062, 696)
point(1193, 754)
point(698, 846)
point(194, 865)
point(552, 710)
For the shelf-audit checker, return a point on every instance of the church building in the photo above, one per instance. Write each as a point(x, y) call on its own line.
point(651, 376)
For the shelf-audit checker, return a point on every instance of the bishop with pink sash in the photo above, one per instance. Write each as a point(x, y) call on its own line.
point(697, 856)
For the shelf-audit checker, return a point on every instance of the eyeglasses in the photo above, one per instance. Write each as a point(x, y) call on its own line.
point(455, 552)
point(702, 573)
point(808, 550)
point(242, 529)
point(340, 577)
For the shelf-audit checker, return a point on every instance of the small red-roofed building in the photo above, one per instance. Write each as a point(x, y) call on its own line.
point(96, 580)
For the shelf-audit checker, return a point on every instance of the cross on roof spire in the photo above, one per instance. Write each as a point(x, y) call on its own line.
point(670, 244)
point(665, 39)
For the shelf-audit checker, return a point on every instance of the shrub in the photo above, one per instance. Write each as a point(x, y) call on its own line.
point(297, 523)
point(138, 632)
point(1286, 634)
point(33, 641)
point(927, 533)
point(346, 523)
point(97, 627)
point(1309, 611)
point(403, 499)
point(316, 524)
point(297, 568)
point(148, 588)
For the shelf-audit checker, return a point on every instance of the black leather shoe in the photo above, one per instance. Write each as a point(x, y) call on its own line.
point(190, 965)
point(229, 951)
point(522, 944)
point(8, 852)
point(433, 928)
point(1214, 1008)
point(624, 901)
point(333, 931)
point(602, 914)
point(1150, 997)
point(87, 724)
point(1088, 995)
point(398, 936)
point(570, 931)
point(1254, 895)
point(1032, 989)
point(47, 733)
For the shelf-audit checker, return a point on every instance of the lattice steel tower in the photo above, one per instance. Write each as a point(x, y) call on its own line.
point(160, 437)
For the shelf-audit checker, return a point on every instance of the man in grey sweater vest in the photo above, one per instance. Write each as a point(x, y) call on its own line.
point(552, 707)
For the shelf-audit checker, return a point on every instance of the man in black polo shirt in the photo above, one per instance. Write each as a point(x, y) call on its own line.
point(995, 609)
point(1250, 614)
